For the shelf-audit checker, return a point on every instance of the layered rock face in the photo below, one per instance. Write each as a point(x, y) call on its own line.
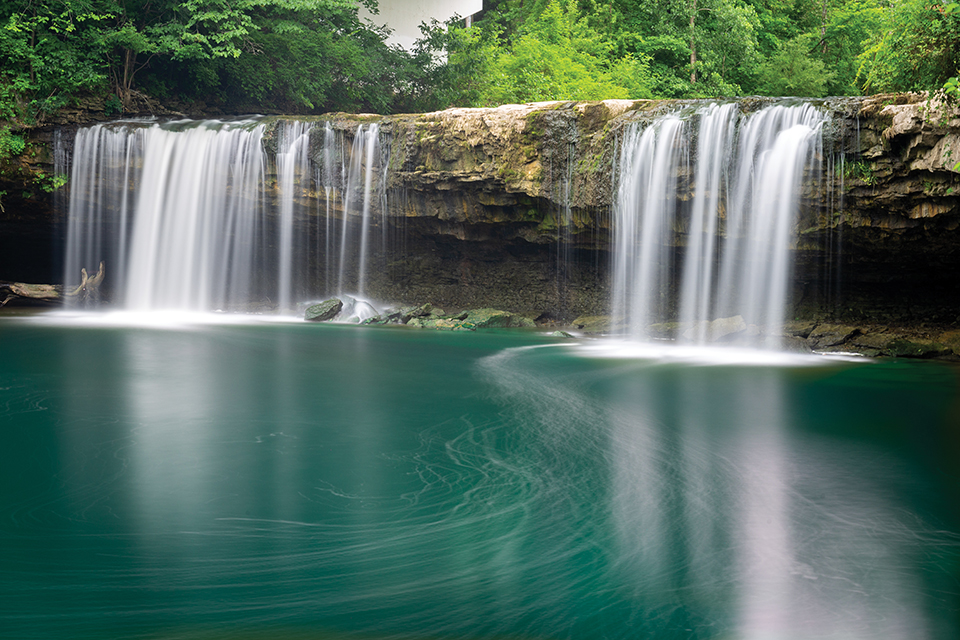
point(891, 228)
point(511, 207)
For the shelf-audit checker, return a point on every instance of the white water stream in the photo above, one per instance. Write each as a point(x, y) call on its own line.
point(184, 216)
point(725, 250)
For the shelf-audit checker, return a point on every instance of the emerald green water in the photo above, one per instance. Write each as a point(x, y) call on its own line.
point(302, 481)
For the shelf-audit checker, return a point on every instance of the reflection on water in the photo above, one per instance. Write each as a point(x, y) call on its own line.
point(292, 480)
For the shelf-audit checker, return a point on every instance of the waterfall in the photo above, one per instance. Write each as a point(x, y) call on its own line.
point(726, 249)
point(359, 170)
point(293, 174)
point(326, 178)
point(185, 216)
point(195, 218)
point(101, 176)
point(644, 214)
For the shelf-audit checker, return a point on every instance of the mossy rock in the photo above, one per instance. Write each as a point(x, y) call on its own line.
point(951, 339)
point(326, 310)
point(799, 328)
point(422, 311)
point(717, 329)
point(497, 319)
point(903, 348)
point(442, 324)
point(593, 324)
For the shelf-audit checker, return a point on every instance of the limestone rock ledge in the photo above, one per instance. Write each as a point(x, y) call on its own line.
point(489, 199)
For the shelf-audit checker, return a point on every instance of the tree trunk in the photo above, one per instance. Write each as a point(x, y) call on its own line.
point(88, 286)
point(693, 44)
point(129, 60)
point(823, 29)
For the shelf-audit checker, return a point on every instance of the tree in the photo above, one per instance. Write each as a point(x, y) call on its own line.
point(697, 48)
point(557, 56)
point(51, 50)
point(916, 48)
point(793, 72)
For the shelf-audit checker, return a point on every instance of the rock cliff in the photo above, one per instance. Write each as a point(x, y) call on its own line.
point(511, 206)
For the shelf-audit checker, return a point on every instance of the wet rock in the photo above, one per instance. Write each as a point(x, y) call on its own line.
point(593, 324)
point(872, 341)
point(799, 328)
point(560, 334)
point(665, 330)
point(442, 324)
point(795, 344)
point(326, 310)
point(716, 329)
point(496, 319)
point(916, 348)
point(830, 335)
point(471, 320)
point(406, 314)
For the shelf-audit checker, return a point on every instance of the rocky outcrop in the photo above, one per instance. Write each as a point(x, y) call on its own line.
point(323, 311)
point(547, 169)
point(510, 207)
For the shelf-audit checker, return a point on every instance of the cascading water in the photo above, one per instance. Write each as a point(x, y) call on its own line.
point(360, 171)
point(171, 210)
point(736, 229)
point(293, 174)
point(645, 211)
point(100, 198)
point(183, 215)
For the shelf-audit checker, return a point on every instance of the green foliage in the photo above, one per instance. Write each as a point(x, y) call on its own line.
point(51, 51)
point(557, 56)
point(700, 48)
point(258, 55)
point(791, 71)
point(10, 144)
point(112, 106)
point(861, 171)
point(301, 56)
point(951, 88)
point(916, 48)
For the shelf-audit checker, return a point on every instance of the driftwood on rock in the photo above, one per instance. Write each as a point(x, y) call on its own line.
point(51, 292)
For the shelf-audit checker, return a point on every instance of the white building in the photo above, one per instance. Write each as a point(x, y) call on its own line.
point(403, 17)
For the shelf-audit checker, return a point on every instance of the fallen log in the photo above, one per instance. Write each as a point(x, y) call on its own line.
point(88, 286)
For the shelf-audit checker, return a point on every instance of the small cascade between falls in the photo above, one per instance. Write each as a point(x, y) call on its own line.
point(188, 215)
point(705, 219)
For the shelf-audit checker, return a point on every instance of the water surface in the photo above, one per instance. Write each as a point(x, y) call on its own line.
point(301, 481)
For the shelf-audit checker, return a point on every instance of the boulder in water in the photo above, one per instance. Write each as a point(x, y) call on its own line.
point(593, 324)
point(443, 324)
point(408, 313)
point(326, 310)
point(717, 329)
point(496, 319)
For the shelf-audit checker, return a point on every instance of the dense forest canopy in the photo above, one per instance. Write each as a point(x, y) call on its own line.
point(310, 56)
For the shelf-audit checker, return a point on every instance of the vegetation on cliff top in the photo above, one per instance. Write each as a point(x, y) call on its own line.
point(707, 48)
point(311, 56)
